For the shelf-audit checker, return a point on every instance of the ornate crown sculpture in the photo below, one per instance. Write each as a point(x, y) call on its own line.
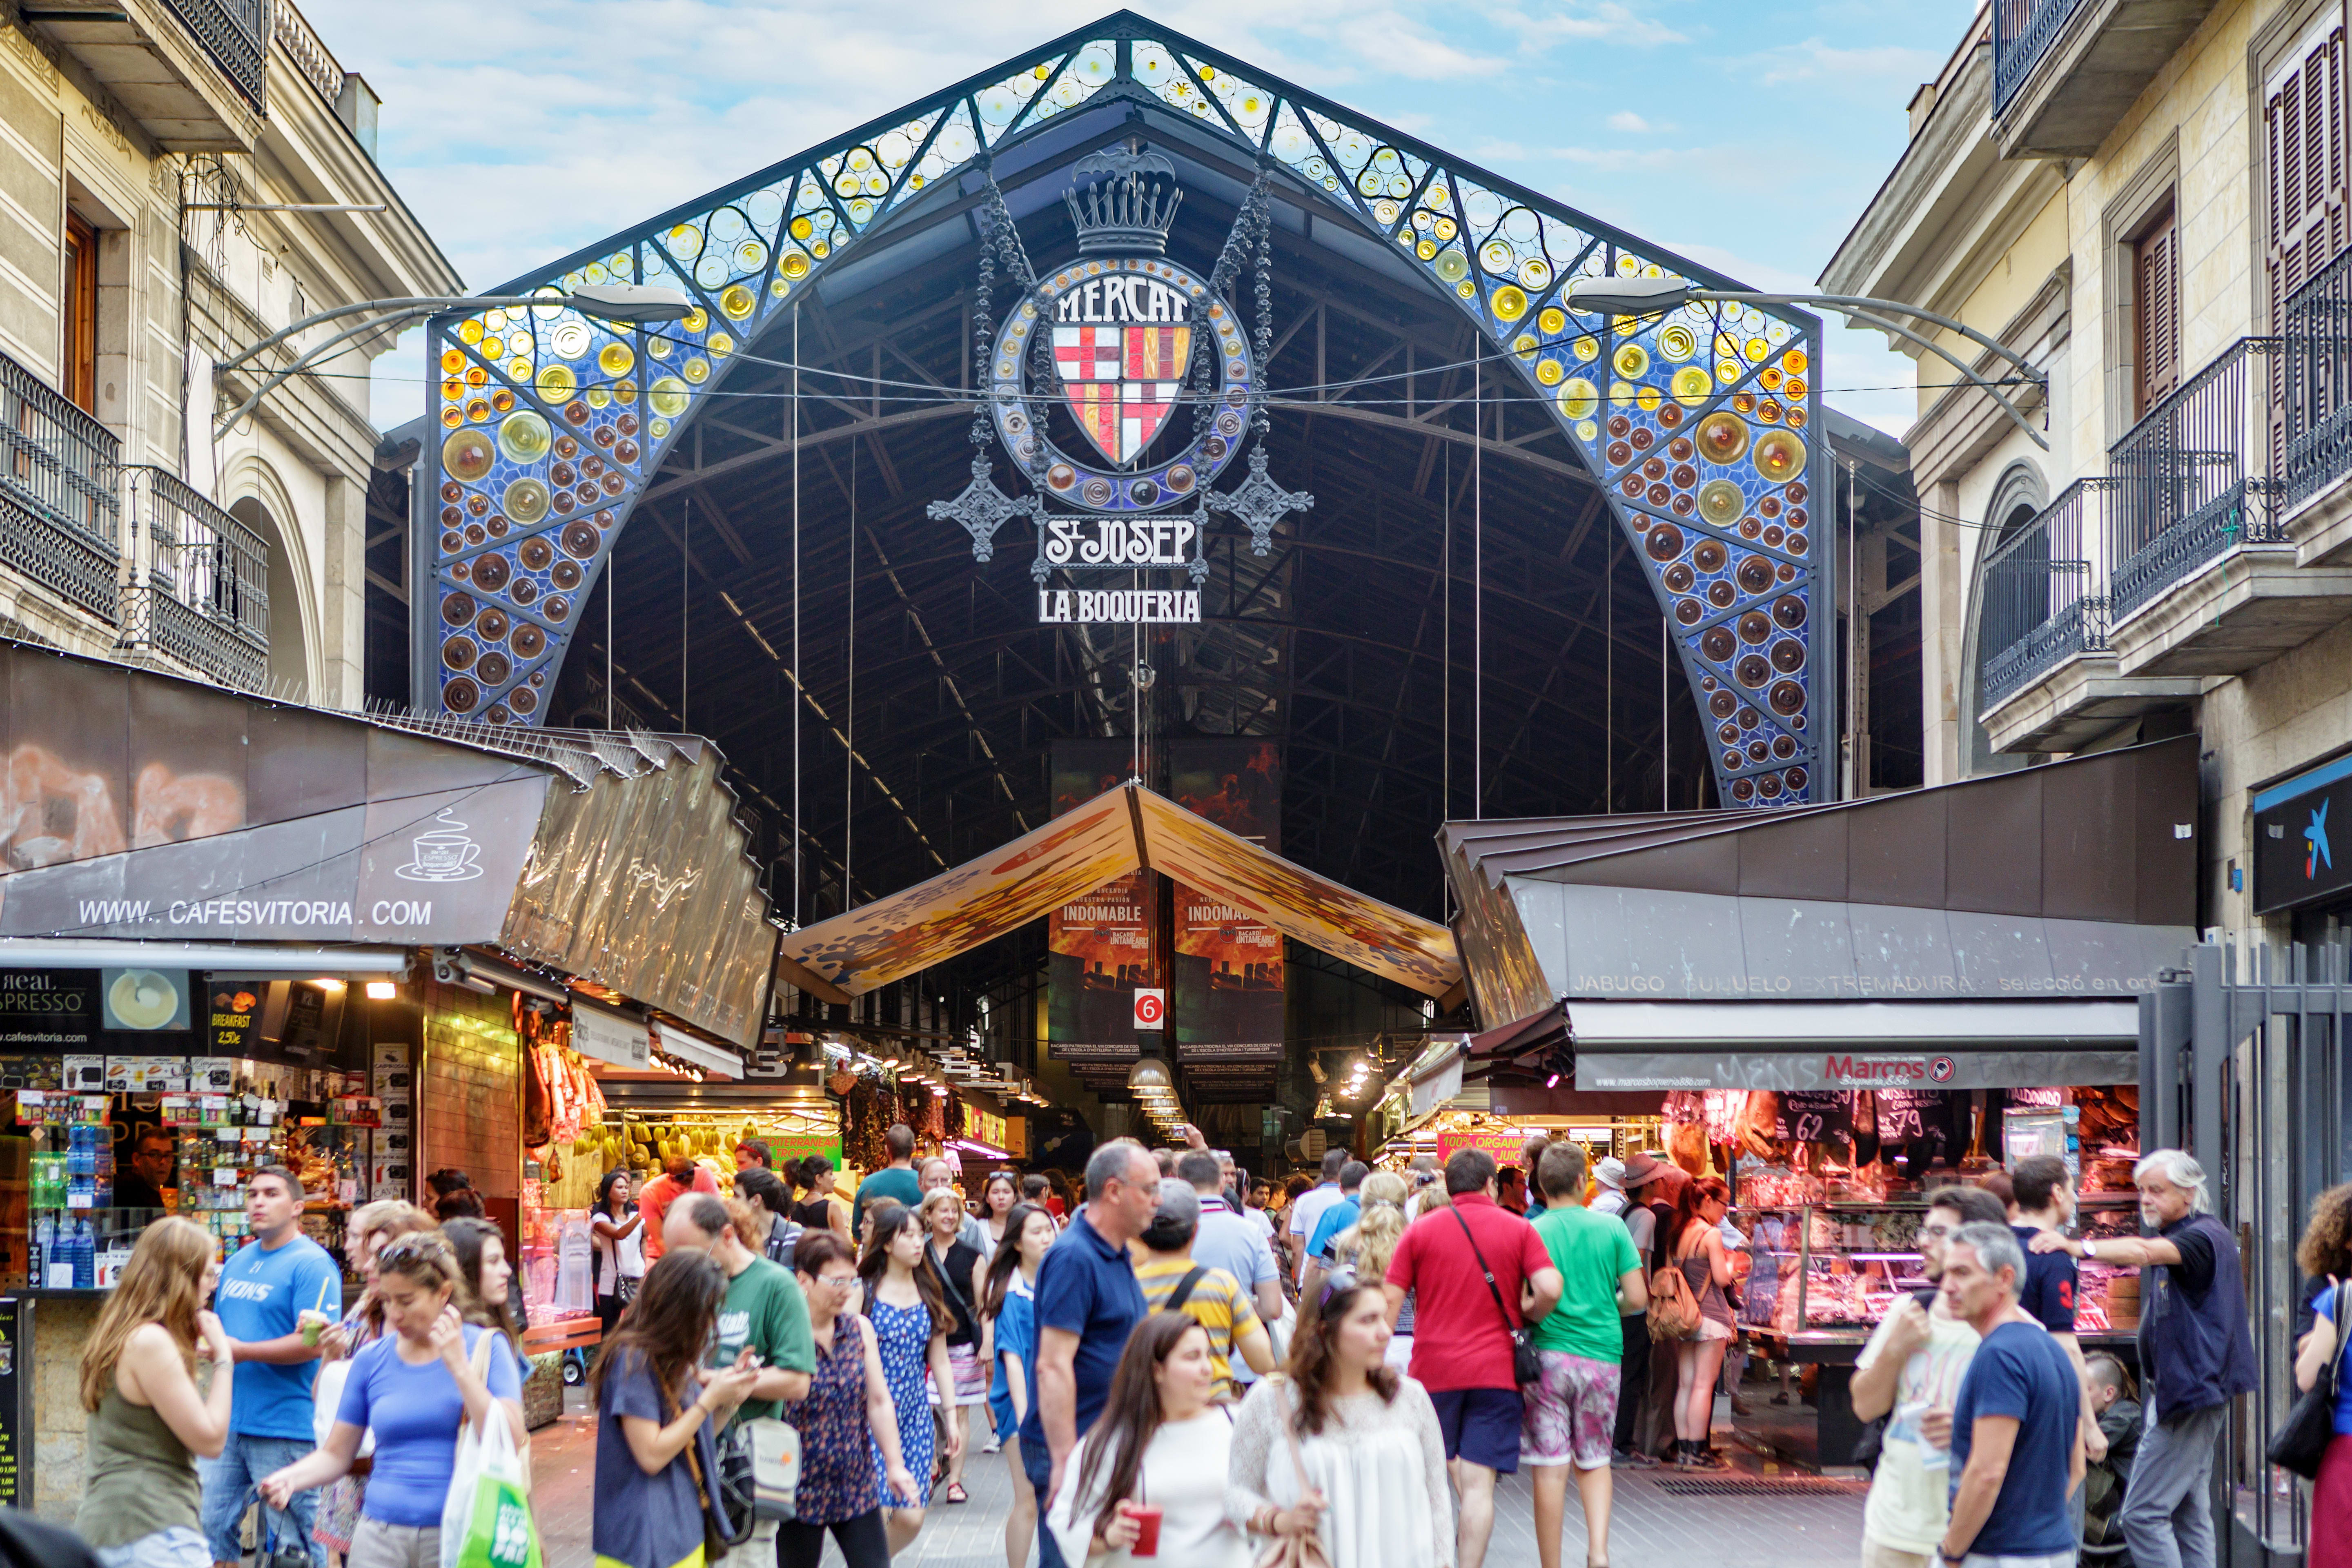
point(1129, 201)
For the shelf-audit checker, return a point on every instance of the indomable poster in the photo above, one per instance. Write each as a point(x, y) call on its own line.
point(1227, 989)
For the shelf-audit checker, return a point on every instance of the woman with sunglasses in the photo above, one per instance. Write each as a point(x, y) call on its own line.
point(416, 1387)
point(1152, 1470)
point(370, 1230)
point(1342, 1446)
point(846, 1417)
point(1010, 1303)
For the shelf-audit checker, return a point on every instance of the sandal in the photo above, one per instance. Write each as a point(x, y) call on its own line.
point(955, 1492)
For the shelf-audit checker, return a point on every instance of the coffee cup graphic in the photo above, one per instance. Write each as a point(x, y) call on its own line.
point(443, 853)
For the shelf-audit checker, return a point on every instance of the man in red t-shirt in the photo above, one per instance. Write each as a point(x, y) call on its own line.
point(679, 1175)
point(1461, 1335)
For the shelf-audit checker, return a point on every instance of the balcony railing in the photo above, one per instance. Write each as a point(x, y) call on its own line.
point(2022, 33)
point(2041, 604)
point(236, 33)
point(2184, 493)
point(2191, 481)
point(2316, 397)
point(201, 581)
point(60, 517)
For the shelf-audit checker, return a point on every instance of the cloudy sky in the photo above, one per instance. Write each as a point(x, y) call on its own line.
point(1742, 135)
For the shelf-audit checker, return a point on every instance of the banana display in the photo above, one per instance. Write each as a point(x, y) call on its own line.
point(570, 1173)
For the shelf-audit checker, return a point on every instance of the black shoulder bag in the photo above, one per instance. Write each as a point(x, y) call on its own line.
point(2301, 1441)
point(1526, 1365)
point(1183, 1292)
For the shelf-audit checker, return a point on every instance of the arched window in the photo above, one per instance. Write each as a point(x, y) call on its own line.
point(2017, 500)
point(289, 666)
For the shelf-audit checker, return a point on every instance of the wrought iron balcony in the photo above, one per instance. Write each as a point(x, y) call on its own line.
point(193, 73)
point(2065, 72)
point(2185, 493)
point(2316, 404)
point(2022, 33)
point(200, 590)
point(60, 517)
point(2043, 601)
point(236, 33)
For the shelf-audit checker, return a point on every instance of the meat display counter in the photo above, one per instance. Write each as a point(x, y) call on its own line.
point(1823, 1275)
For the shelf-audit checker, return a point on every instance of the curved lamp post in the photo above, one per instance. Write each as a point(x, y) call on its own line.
point(1655, 295)
point(636, 304)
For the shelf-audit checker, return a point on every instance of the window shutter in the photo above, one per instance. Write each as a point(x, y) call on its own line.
point(2156, 304)
point(2305, 189)
point(2305, 185)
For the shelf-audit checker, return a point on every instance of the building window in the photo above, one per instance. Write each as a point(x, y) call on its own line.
point(2304, 186)
point(2156, 312)
point(77, 359)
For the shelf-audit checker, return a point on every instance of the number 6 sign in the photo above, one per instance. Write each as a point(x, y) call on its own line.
point(1151, 1010)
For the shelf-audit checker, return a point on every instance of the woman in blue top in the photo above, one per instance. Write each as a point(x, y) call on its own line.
point(2326, 1253)
point(415, 1387)
point(1009, 1303)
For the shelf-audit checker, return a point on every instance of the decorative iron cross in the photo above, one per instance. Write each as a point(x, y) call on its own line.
point(982, 509)
point(1258, 502)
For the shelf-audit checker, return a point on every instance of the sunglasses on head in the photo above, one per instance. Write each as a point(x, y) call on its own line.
point(1338, 1285)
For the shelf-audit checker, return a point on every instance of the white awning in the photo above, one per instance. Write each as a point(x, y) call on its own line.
point(686, 1048)
point(1604, 1027)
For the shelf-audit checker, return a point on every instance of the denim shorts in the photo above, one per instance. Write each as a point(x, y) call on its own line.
point(175, 1546)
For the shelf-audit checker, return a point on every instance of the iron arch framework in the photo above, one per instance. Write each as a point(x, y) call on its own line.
point(1700, 427)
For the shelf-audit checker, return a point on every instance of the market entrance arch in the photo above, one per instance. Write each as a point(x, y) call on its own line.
point(1457, 628)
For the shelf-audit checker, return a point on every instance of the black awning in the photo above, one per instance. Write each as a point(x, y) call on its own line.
point(1542, 1043)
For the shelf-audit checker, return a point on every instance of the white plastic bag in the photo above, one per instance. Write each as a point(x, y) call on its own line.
point(486, 1518)
point(327, 1398)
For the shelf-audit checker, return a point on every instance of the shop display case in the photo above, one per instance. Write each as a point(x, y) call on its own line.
point(1822, 1274)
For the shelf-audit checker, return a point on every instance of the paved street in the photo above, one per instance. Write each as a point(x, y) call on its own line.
point(1779, 1518)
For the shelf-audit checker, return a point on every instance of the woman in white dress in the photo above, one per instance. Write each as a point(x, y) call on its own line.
point(1344, 1446)
point(1152, 1471)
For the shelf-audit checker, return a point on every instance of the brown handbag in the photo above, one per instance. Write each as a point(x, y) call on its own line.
point(1295, 1551)
point(715, 1544)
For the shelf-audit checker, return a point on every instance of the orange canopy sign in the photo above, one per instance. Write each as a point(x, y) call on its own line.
point(1085, 847)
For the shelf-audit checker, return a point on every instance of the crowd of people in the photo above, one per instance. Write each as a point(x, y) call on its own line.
point(1332, 1372)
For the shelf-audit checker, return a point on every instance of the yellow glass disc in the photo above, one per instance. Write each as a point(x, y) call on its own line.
point(1509, 303)
point(556, 383)
point(1631, 360)
point(1691, 386)
point(1549, 372)
point(738, 301)
point(668, 396)
point(1579, 398)
point(696, 319)
point(616, 359)
point(1677, 341)
point(1588, 349)
point(1553, 321)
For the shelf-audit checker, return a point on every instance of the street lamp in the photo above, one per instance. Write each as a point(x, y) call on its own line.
point(1655, 295)
point(627, 304)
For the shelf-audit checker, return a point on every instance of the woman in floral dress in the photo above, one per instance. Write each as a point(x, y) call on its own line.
point(910, 1321)
point(846, 1417)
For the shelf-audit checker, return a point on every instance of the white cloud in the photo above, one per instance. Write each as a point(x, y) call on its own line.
point(1627, 120)
point(1868, 72)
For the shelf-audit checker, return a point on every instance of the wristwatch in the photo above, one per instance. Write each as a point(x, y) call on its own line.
point(2090, 1248)
point(1944, 1556)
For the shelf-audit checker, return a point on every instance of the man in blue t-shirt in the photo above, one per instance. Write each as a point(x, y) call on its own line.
point(268, 1291)
point(2017, 1422)
point(1329, 1223)
point(1087, 1301)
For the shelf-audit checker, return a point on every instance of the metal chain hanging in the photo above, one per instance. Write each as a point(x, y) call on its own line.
point(982, 509)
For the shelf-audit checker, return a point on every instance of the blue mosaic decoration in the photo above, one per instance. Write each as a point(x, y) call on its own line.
point(1700, 422)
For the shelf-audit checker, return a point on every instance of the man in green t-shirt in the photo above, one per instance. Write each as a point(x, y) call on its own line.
point(1571, 1412)
point(764, 1311)
point(895, 1181)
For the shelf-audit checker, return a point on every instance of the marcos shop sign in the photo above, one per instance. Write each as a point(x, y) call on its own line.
point(1842, 1068)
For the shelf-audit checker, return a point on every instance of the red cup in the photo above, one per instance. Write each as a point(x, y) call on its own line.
point(1146, 1530)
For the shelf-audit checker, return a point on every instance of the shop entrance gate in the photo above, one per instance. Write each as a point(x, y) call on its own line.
point(2242, 1063)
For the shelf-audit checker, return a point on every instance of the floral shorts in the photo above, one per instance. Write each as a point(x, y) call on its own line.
point(1571, 1412)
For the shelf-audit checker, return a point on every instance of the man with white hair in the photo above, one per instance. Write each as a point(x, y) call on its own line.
point(2196, 1354)
point(2017, 1420)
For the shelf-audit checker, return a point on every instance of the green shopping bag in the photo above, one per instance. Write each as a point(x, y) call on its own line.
point(487, 1522)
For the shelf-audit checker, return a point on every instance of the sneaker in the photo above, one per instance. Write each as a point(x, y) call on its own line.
point(1632, 1460)
point(991, 1447)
